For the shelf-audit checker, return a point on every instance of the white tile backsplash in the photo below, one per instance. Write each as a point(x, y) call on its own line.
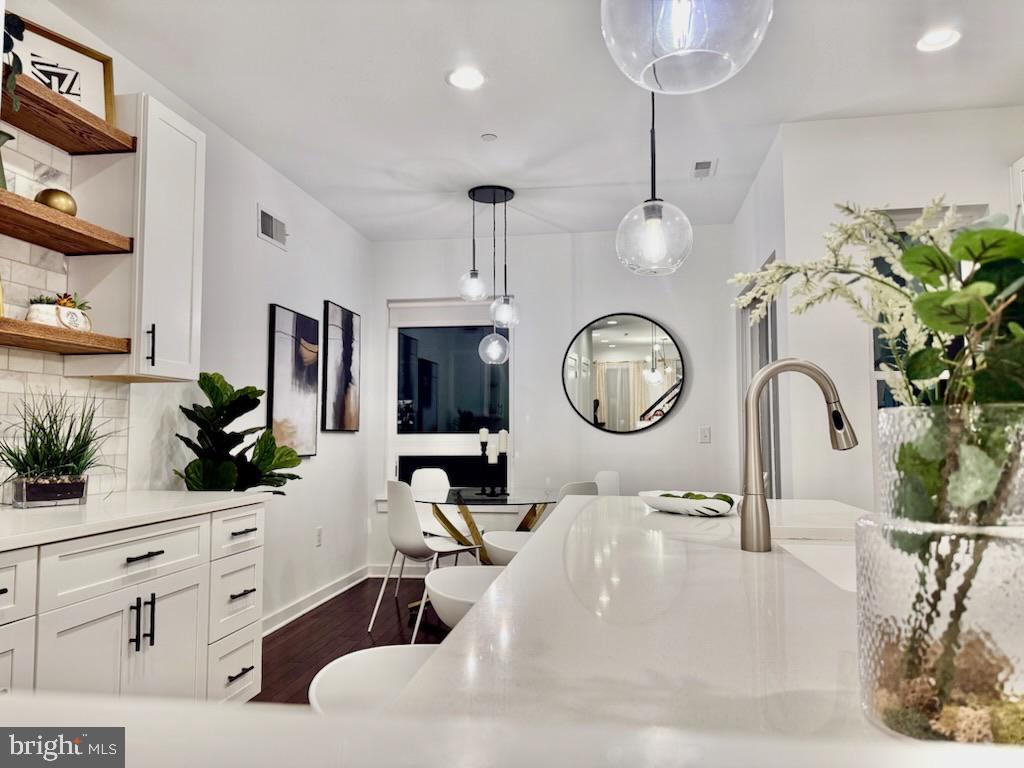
point(26, 271)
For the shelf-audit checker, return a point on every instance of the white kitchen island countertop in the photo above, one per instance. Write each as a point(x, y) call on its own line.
point(617, 637)
point(615, 613)
point(103, 513)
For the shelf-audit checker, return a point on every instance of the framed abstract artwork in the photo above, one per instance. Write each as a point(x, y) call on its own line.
point(339, 411)
point(69, 68)
point(292, 379)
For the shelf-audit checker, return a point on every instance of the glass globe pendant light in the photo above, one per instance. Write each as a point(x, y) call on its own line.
point(504, 310)
point(683, 46)
point(495, 348)
point(655, 237)
point(471, 287)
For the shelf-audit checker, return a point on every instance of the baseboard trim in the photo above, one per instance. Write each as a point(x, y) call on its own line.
point(295, 609)
point(284, 616)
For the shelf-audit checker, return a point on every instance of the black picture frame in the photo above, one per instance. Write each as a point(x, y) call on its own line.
point(328, 422)
point(682, 372)
point(306, 328)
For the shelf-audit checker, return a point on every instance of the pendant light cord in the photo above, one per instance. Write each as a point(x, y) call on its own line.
point(474, 235)
point(494, 248)
point(654, 195)
point(504, 211)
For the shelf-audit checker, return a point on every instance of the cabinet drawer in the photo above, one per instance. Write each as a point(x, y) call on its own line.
point(17, 584)
point(236, 666)
point(236, 592)
point(236, 530)
point(17, 656)
point(75, 570)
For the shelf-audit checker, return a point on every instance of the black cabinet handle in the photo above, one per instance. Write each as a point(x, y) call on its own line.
point(244, 531)
point(152, 618)
point(147, 556)
point(4, 590)
point(137, 640)
point(245, 671)
point(152, 334)
point(243, 593)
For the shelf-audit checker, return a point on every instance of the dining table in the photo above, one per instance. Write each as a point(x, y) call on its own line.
point(462, 500)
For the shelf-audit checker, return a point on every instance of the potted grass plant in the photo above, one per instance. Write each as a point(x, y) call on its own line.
point(51, 449)
point(939, 617)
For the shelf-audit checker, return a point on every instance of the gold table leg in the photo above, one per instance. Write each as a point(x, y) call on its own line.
point(531, 517)
point(454, 532)
point(474, 533)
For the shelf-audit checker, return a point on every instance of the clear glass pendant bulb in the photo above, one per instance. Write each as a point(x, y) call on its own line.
point(654, 377)
point(654, 238)
point(471, 286)
point(494, 349)
point(505, 312)
point(683, 46)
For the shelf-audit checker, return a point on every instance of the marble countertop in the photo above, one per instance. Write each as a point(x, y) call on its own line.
point(614, 613)
point(104, 513)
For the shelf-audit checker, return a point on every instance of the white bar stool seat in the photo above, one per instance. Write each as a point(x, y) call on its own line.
point(368, 680)
point(453, 591)
point(502, 546)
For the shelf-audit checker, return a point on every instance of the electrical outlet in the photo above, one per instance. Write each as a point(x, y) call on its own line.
point(319, 536)
point(704, 434)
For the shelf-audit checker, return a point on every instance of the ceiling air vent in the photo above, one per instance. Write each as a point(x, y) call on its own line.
point(704, 169)
point(271, 228)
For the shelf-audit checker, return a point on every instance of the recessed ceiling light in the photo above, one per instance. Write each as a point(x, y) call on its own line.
point(611, 346)
point(489, 136)
point(597, 333)
point(613, 322)
point(938, 40)
point(466, 78)
point(604, 341)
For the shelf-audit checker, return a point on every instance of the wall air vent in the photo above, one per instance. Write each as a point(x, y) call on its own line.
point(271, 228)
point(704, 169)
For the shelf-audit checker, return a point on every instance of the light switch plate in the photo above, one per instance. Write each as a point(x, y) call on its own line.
point(704, 434)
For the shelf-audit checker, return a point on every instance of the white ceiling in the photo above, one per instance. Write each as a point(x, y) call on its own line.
point(348, 99)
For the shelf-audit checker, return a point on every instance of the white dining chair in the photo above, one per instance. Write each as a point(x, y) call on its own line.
point(607, 482)
point(366, 681)
point(429, 481)
point(407, 538)
point(585, 488)
point(453, 591)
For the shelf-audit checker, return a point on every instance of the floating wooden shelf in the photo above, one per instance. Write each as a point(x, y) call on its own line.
point(59, 121)
point(20, 333)
point(33, 222)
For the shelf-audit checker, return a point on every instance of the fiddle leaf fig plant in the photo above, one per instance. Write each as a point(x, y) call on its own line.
point(218, 466)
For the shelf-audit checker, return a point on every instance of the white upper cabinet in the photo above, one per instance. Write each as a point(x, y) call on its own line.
point(153, 295)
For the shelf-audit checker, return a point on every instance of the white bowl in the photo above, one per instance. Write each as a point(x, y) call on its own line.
point(706, 507)
point(454, 590)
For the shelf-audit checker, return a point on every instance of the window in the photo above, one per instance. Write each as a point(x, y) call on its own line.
point(444, 387)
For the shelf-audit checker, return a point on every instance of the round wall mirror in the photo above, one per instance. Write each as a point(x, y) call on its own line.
point(623, 373)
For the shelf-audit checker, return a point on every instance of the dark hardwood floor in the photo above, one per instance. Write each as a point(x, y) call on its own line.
point(295, 653)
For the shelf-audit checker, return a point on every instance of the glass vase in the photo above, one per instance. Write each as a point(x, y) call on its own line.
point(940, 620)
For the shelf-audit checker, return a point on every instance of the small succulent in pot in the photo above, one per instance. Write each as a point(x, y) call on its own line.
point(63, 310)
point(51, 449)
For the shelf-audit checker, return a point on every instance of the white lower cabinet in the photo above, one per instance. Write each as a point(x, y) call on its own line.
point(17, 656)
point(236, 665)
point(146, 640)
point(145, 611)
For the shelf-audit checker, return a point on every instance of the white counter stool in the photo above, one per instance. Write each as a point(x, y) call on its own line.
point(407, 537)
point(366, 681)
point(502, 546)
point(453, 591)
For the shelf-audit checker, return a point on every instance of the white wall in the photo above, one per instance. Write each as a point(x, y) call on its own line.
point(899, 161)
point(563, 282)
point(326, 259)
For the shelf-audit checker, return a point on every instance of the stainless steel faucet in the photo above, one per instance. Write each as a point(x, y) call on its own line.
point(755, 527)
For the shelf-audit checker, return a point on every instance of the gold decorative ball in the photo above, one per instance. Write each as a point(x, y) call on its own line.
point(59, 200)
